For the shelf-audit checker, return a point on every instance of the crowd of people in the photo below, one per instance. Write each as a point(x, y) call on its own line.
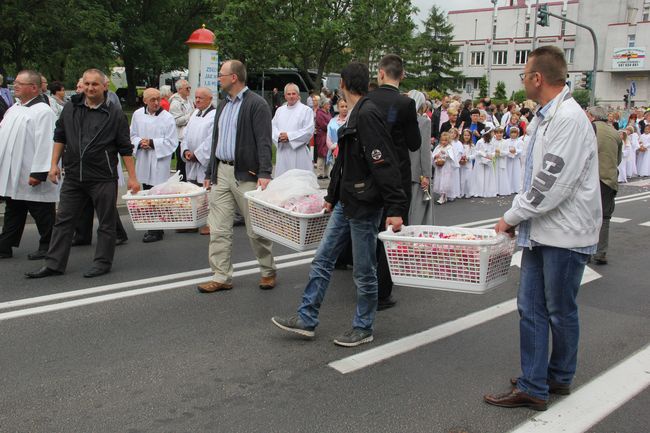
point(384, 151)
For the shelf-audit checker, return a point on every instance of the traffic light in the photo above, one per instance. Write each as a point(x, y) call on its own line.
point(588, 80)
point(542, 15)
point(626, 99)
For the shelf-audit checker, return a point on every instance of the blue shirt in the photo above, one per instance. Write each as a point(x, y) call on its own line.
point(523, 237)
point(228, 127)
point(473, 127)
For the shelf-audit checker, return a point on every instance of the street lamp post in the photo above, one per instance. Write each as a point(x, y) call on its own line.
point(490, 45)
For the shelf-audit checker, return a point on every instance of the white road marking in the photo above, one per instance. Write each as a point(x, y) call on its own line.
point(134, 283)
point(628, 200)
point(129, 293)
point(406, 344)
point(619, 220)
point(645, 224)
point(474, 223)
point(411, 342)
point(595, 400)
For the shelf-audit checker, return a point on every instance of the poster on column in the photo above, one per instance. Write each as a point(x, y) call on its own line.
point(210, 70)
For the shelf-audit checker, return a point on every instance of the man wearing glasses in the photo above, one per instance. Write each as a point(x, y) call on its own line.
point(240, 161)
point(181, 108)
point(25, 153)
point(558, 215)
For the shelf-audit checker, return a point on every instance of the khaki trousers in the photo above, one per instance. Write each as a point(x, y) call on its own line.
point(223, 196)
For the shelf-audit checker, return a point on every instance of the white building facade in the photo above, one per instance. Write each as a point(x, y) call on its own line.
point(622, 30)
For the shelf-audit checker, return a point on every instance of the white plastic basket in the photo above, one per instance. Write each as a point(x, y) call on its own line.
point(419, 257)
point(295, 230)
point(168, 211)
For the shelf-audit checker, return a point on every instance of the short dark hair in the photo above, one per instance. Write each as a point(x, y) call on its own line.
point(55, 86)
point(355, 77)
point(372, 86)
point(239, 69)
point(393, 66)
point(475, 111)
point(549, 61)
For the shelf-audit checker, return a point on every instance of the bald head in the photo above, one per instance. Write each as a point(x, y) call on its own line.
point(151, 98)
point(202, 98)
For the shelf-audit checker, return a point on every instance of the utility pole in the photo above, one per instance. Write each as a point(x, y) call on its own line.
point(535, 28)
point(490, 46)
point(542, 13)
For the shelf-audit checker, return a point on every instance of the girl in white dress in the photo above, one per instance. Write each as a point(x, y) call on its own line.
point(627, 149)
point(459, 150)
point(466, 162)
point(630, 167)
point(514, 157)
point(643, 156)
point(446, 179)
point(485, 167)
point(501, 152)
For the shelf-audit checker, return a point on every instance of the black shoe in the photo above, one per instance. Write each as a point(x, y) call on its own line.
point(121, 241)
point(151, 237)
point(321, 177)
point(78, 243)
point(37, 255)
point(239, 221)
point(6, 255)
point(385, 304)
point(599, 260)
point(42, 273)
point(96, 272)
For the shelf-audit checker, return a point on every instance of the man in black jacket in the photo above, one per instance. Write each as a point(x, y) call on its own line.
point(365, 184)
point(240, 161)
point(401, 119)
point(89, 134)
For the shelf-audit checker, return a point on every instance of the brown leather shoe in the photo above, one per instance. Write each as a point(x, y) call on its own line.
point(187, 230)
point(213, 286)
point(205, 230)
point(267, 283)
point(515, 398)
point(553, 387)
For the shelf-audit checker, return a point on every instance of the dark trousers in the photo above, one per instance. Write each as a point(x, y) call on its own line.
point(607, 196)
point(14, 222)
point(180, 164)
point(384, 281)
point(74, 195)
point(84, 231)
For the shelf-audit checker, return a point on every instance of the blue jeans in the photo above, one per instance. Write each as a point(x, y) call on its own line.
point(363, 233)
point(550, 278)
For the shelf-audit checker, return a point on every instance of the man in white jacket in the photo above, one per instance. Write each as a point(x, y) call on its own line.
point(26, 142)
point(558, 214)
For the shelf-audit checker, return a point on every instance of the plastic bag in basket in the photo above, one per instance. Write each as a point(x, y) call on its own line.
point(290, 185)
point(309, 204)
point(173, 185)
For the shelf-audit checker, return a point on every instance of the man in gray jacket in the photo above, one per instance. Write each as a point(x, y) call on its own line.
point(558, 215)
point(240, 161)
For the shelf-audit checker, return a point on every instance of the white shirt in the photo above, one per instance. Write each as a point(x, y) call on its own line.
point(198, 140)
point(152, 166)
point(26, 143)
point(298, 122)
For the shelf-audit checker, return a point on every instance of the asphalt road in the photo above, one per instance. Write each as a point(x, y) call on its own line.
point(142, 356)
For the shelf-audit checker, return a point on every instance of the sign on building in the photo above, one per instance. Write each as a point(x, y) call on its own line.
point(209, 70)
point(628, 58)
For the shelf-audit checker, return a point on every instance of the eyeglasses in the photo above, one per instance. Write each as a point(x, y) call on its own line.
point(523, 74)
point(18, 83)
point(224, 75)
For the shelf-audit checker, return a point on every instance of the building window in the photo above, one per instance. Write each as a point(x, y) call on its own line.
point(568, 55)
point(521, 57)
point(500, 58)
point(459, 59)
point(563, 28)
point(478, 58)
point(475, 84)
point(631, 41)
point(527, 29)
point(646, 11)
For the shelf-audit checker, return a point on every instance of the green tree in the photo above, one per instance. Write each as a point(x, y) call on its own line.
point(433, 55)
point(312, 34)
point(519, 96)
point(483, 87)
point(59, 38)
point(582, 97)
point(151, 35)
point(500, 91)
